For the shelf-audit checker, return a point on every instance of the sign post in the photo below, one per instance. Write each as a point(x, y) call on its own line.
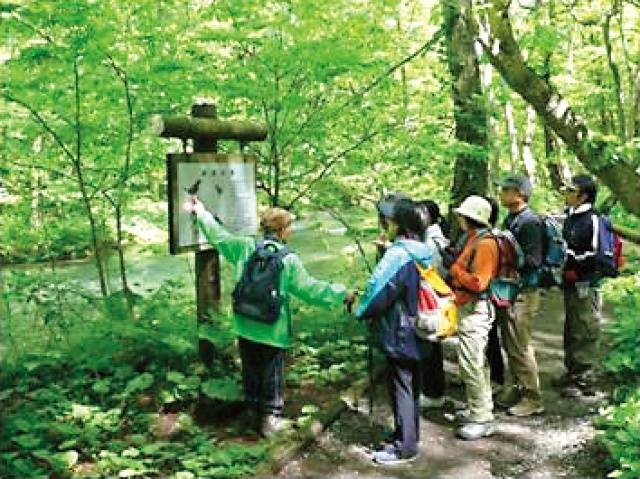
point(225, 183)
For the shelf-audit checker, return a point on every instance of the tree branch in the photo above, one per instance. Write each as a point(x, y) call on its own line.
point(376, 81)
point(597, 155)
point(329, 164)
point(42, 122)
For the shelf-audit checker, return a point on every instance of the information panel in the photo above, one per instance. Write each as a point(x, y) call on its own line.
point(225, 183)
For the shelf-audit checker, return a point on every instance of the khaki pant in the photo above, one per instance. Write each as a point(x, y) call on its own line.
point(473, 335)
point(515, 327)
point(582, 331)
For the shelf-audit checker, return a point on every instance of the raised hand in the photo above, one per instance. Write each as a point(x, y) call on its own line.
point(350, 300)
point(194, 206)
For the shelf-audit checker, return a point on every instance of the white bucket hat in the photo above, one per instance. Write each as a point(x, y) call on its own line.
point(476, 208)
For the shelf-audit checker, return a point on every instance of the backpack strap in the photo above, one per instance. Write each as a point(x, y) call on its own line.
point(262, 249)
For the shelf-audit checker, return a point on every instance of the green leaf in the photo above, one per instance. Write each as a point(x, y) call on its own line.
point(101, 386)
point(27, 441)
point(222, 389)
point(309, 409)
point(175, 377)
point(139, 383)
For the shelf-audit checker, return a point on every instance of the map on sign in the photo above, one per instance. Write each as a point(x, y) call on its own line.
point(226, 186)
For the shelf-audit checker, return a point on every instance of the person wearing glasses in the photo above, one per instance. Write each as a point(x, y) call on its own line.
point(582, 300)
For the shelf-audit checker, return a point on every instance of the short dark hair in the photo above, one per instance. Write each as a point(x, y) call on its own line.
point(586, 186)
point(495, 210)
point(433, 209)
point(410, 218)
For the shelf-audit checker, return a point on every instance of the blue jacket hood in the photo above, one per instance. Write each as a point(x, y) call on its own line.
point(397, 255)
point(419, 251)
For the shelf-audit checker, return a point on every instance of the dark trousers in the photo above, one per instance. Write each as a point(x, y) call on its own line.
point(432, 367)
point(262, 376)
point(432, 370)
point(404, 386)
point(494, 355)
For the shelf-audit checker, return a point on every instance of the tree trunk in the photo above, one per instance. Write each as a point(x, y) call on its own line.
point(512, 131)
point(596, 154)
point(636, 108)
point(470, 170)
point(528, 159)
point(119, 204)
point(615, 74)
point(77, 166)
point(486, 83)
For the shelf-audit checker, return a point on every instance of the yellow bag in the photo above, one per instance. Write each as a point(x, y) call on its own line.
point(437, 310)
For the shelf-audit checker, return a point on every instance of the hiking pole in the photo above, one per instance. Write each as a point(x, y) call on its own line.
point(353, 234)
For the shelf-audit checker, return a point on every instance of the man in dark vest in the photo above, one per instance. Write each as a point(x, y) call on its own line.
point(521, 393)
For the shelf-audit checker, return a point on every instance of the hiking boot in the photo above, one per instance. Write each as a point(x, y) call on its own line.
point(476, 430)
point(587, 385)
point(571, 391)
point(563, 381)
point(526, 407)
point(509, 396)
point(427, 402)
point(272, 424)
point(392, 457)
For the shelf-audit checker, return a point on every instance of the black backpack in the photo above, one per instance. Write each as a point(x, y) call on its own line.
point(554, 254)
point(257, 294)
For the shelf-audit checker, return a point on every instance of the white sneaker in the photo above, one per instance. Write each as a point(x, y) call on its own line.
point(427, 402)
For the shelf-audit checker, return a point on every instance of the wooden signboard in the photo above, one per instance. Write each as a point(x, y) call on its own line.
point(225, 183)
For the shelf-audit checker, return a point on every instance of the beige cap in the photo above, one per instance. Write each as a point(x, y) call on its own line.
point(476, 208)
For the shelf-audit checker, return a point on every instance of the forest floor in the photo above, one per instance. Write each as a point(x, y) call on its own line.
point(557, 444)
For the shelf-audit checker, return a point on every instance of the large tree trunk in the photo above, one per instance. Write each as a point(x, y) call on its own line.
point(596, 154)
point(470, 174)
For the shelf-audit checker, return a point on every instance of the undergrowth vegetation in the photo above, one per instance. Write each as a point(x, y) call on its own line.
point(88, 392)
point(619, 423)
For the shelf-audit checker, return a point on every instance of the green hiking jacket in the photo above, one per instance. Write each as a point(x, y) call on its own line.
point(294, 280)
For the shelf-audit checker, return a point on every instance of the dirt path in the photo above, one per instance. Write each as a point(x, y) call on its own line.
point(557, 444)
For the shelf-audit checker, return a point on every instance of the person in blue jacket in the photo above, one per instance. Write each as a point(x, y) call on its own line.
point(391, 303)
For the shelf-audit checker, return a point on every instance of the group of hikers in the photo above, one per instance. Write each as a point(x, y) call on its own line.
point(267, 274)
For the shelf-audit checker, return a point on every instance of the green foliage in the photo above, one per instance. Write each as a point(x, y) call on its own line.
point(92, 401)
point(63, 416)
point(331, 363)
point(619, 429)
point(619, 424)
point(222, 389)
point(623, 335)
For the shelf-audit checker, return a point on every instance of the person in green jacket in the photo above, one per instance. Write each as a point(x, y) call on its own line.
point(263, 345)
